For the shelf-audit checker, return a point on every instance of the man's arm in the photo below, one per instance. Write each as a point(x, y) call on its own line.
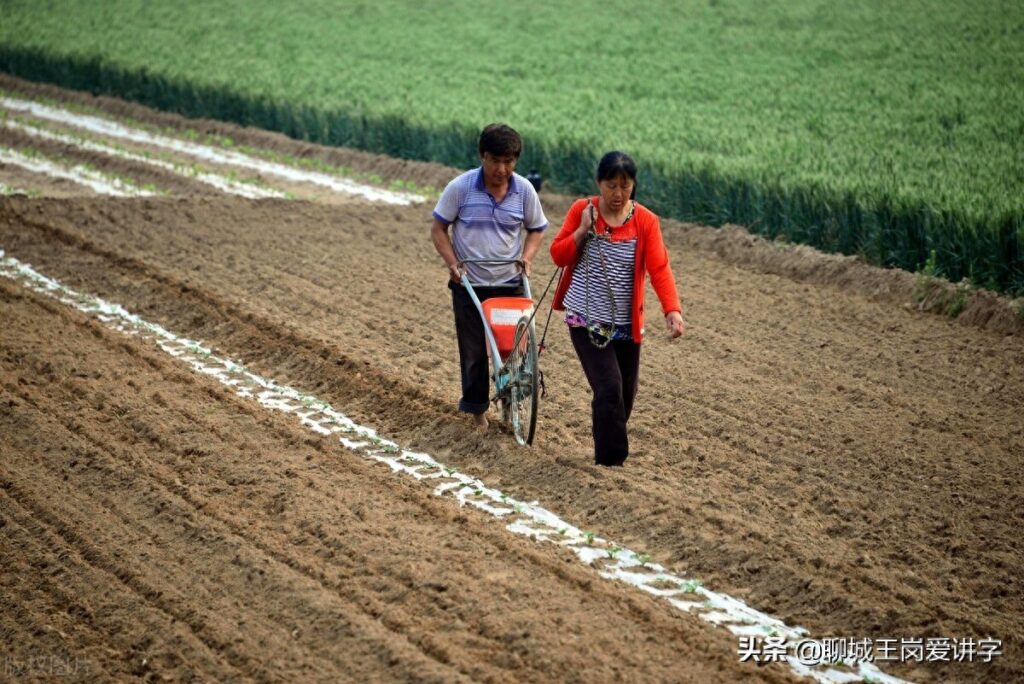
point(530, 248)
point(443, 244)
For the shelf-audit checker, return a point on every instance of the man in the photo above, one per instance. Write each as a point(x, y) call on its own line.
point(488, 209)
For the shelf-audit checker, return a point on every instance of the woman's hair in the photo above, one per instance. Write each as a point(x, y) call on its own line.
point(500, 140)
point(617, 164)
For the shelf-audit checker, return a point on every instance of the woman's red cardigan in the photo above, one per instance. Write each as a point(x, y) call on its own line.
point(651, 257)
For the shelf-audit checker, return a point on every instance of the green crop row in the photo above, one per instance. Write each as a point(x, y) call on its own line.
point(889, 130)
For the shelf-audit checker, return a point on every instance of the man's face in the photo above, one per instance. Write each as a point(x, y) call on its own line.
point(497, 168)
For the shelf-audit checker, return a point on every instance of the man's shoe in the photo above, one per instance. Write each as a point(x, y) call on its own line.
point(480, 422)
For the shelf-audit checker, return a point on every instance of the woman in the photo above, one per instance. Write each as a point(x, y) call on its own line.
point(608, 245)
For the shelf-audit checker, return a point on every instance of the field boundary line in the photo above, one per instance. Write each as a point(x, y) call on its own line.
point(221, 183)
point(79, 174)
point(112, 129)
point(610, 560)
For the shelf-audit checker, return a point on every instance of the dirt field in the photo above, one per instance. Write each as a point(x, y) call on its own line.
point(814, 446)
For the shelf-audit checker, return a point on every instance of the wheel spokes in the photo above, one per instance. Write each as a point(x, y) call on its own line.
point(522, 384)
point(518, 394)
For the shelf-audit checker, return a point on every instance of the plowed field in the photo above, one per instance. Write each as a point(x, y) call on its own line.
point(814, 446)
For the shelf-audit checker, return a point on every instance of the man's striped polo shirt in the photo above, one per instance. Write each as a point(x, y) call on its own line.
point(485, 229)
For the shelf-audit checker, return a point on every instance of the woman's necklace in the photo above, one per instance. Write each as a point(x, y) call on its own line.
point(629, 215)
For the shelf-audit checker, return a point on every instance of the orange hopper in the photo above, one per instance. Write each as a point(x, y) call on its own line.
point(502, 314)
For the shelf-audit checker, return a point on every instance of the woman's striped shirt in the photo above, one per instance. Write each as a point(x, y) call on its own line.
point(591, 279)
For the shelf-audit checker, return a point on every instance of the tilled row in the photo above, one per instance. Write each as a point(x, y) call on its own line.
point(774, 492)
point(181, 503)
point(179, 165)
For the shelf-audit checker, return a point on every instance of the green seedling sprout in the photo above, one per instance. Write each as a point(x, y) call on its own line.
point(690, 586)
point(588, 538)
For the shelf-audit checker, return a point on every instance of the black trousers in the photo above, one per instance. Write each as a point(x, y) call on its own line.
point(613, 374)
point(469, 330)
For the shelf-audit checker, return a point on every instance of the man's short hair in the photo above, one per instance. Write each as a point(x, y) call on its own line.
point(500, 140)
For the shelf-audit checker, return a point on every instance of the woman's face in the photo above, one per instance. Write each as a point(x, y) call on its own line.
point(616, 191)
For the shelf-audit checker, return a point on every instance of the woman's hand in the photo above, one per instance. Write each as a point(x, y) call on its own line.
point(586, 222)
point(674, 323)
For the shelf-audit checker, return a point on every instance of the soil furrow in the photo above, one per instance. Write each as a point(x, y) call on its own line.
point(753, 478)
point(57, 534)
point(814, 444)
point(292, 526)
point(107, 465)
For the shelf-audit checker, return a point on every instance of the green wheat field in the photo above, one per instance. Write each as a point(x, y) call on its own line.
point(889, 130)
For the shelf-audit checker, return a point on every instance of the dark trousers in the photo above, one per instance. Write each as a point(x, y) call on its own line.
point(469, 330)
point(613, 374)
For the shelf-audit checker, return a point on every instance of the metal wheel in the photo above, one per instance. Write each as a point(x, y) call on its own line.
point(523, 385)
